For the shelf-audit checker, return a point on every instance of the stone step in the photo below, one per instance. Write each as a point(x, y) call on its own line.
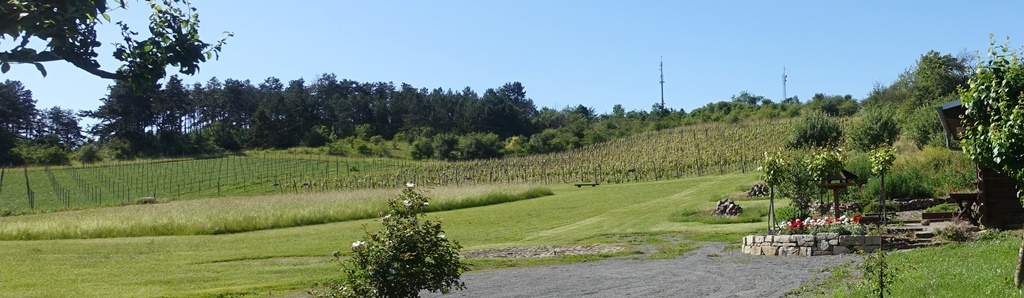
point(907, 228)
point(924, 235)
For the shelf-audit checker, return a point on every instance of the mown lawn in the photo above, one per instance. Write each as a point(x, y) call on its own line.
point(972, 269)
point(291, 259)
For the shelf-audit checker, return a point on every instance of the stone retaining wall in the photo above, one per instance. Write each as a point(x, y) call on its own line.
point(809, 245)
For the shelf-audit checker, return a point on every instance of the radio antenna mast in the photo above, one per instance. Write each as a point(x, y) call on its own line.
point(661, 68)
point(784, 84)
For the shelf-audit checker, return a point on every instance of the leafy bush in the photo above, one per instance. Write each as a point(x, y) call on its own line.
point(788, 213)
point(422, 148)
point(404, 257)
point(859, 164)
point(924, 128)
point(877, 128)
point(339, 148)
point(798, 184)
point(43, 154)
point(88, 154)
point(958, 231)
point(119, 149)
point(814, 129)
point(900, 184)
point(479, 146)
point(941, 208)
point(870, 205)
point(446, 147)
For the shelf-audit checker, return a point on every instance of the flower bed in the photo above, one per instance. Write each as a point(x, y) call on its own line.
point(809, 245)
point(842, 225)
point(813, 237)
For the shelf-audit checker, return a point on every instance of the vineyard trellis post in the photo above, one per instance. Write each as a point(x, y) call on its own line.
point(28, 190)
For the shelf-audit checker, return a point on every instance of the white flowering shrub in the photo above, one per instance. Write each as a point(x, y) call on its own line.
point(407, 255)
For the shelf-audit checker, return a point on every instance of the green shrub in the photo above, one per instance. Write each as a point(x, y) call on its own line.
point(339, 148)
point(876, 128)
point(407, 255)
point(958, 231)
point(859, 164)
point(900, 184)
point(790, 213)
point(815, 129)
point(422, 148)
point(941, 208)
point(43, 154)
point(924, 128)
point(119, 149)
point(88, 153)
point(870, 205)
point(798, 184)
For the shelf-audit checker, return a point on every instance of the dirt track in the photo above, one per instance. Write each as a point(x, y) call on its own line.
point(705, 272)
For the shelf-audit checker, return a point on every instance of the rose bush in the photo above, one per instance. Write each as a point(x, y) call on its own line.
point(405, 256)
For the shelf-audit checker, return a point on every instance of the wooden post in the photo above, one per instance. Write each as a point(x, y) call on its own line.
point(771, 208)
point(28, 191)
point(882, 199)
point(835, 195)
point(1017, 276)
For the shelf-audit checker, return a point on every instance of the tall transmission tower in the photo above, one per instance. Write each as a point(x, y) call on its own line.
point(661, 68)
point(784, 84)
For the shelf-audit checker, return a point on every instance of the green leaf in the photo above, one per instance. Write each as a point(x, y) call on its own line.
point(5, 67)
point(106, 17)
point(41, 69)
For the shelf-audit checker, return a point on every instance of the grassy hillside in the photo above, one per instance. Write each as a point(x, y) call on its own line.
point(290, 259)
point(688, 151)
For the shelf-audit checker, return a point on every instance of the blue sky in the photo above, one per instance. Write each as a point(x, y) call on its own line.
point(595, 53)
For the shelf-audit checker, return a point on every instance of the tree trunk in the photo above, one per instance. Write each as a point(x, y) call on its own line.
point(1017, 273)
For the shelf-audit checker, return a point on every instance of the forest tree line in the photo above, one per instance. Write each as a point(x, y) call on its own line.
point(348, 117)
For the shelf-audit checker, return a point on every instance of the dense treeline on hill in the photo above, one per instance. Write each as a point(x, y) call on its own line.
point(353, 118)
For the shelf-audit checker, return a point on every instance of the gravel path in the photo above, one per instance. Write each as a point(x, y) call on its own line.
point(705, 272)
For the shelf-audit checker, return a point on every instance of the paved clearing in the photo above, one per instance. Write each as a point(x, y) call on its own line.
point(705, 272)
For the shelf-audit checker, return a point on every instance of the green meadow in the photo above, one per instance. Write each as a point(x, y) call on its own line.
point(288, 260)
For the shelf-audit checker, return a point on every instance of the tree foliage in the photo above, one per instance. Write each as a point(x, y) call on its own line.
point(67, 31)
point(882, 159)
point(815, 129)
point(994, 118)
point(876, 128)
point(834, 105)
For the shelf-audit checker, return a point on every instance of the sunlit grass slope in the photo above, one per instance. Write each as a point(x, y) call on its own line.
point(241, 214)
point(291, 259)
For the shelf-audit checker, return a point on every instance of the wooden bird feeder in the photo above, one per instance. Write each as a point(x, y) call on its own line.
point(837, 182)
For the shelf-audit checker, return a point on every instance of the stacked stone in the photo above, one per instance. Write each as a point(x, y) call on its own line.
point(809, 245)
point(728, 207)
point(758, 190)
